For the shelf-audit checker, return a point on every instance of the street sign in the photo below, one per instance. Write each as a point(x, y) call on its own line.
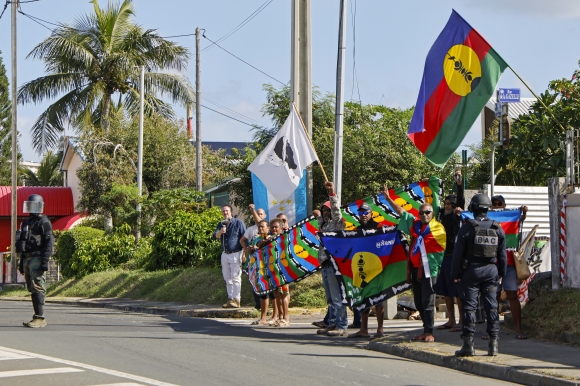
point(507, 95)
point(497, 109)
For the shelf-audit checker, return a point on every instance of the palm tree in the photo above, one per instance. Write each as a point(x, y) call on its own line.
point(96, 57)
point(48, 173)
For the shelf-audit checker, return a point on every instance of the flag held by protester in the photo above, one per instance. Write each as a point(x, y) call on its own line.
point(372, 262)
point(281, 164)
point(510, 221)
point(293, 255)
point(460, 75)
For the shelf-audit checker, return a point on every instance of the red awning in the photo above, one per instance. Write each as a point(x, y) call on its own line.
point(67, 222)
point(58, 201)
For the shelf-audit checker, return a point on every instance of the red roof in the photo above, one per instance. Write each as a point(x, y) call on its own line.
point(58, 201)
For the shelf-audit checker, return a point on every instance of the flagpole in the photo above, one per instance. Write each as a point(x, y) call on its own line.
point(537, 97)
point(310, 140)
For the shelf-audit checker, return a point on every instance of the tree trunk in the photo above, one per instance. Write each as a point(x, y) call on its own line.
point(106, 112)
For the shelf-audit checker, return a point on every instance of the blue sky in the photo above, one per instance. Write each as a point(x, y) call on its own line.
point(538, 38)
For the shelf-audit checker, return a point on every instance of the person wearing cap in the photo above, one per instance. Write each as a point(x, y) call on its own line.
point(509, 282)
point(424, 261)
point(35, 244)
point(451, 220)
point(331, 220)
point(365, 218)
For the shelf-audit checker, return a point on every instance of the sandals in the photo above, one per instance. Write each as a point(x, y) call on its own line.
point(257, 323)
point(444, 327)
point(419, 337)
point(281, 323)
point(378, 335)
point(456, 329)
point(358, 334)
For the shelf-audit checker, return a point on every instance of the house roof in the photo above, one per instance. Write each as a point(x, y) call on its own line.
point(72, 145)
point(58, 201)
point(515, 109)
point(227, 146)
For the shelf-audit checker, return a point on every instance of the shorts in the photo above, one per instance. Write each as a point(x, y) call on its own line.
point(510, 281)
point(445, 284)
point(268, 295)
point(285, 289)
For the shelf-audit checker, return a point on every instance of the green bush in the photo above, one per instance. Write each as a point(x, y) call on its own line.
point(100, 254)
point(68, 242)
point(185, 240)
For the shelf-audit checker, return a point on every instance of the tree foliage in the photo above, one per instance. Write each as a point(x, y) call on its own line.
point(376, 148)
point(48, 173)
point(536, 150)
point(92, 59)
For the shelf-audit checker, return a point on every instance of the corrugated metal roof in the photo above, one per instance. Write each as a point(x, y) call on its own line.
point(515, 109)
point(58, 201)
point(535, 198)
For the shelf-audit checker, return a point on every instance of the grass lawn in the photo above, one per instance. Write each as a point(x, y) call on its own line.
point(191, 285)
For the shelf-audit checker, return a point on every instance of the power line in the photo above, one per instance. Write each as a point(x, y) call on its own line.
point(243, 23)
point(36, 21)
point(232, 111)
point(225, 115)
point(5, 6)
point(176, 36)
point(242, 60)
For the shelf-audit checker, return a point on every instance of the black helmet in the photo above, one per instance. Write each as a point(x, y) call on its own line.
point(34, 204)
point(479, 202)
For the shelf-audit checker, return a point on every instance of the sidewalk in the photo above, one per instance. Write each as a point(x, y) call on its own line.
point(530, 361)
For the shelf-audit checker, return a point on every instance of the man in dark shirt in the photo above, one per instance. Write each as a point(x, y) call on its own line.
point(451, 220)
point(229, 231)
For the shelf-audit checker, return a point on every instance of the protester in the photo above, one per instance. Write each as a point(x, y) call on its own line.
point(451, 220)
point(479, 261)
point(246, 240)
point(282, 217)
point(366, 221)
point(331, 220)
point(229, 231)
point(282, 293)
point(259, 241)
point(510, 282)
point(428, 241)
point(316, 213)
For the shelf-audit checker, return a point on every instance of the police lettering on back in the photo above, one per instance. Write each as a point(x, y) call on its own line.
point(485, 240)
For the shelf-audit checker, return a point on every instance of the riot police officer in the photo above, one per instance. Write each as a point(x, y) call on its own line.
point(35, 242)
point(479, 261)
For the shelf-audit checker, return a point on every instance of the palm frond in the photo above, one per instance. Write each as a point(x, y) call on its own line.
point(49, 87)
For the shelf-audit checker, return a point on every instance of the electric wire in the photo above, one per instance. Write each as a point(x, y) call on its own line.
point(242, 60)
point(5, 6)
point(225, 115)
point(232, 111)
point(239, 26)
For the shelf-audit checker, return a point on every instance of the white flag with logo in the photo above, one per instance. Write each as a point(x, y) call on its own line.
point(281, 164)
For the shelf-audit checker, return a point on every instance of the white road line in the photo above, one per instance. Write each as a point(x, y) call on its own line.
point(115, 373)
point(20, 373)
point(120, 384)
point(5, 356)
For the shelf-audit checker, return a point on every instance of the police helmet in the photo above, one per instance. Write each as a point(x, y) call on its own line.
point(34, 204)
point(479, 202)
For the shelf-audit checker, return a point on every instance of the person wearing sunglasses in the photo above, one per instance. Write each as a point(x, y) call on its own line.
point(428, 240)
point(365, 218)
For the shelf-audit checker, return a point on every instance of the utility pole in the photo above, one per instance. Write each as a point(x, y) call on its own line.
point(301, 75)
point(198, 164)
point(140, 151)
point(189, 112)
point(339, 108)
point(14, 222)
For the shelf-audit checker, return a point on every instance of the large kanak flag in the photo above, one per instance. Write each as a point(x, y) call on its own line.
point(461, 72)
point(281, 164)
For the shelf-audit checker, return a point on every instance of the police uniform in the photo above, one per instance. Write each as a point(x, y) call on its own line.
point(479, 260)
point(35, 244)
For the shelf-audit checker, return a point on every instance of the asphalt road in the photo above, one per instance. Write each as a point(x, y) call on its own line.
point(90, 346)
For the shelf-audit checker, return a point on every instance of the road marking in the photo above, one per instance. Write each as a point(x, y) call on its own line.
point(115, 373)
point(5, 356)
point(20, 373)
point(120, 384)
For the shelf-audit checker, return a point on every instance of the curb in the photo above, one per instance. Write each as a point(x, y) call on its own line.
point(486, 369)
point(236, 313)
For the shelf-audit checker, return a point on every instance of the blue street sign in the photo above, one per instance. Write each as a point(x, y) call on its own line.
point(507, 95)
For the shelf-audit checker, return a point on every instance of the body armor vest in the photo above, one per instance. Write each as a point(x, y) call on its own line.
point(483, 248)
